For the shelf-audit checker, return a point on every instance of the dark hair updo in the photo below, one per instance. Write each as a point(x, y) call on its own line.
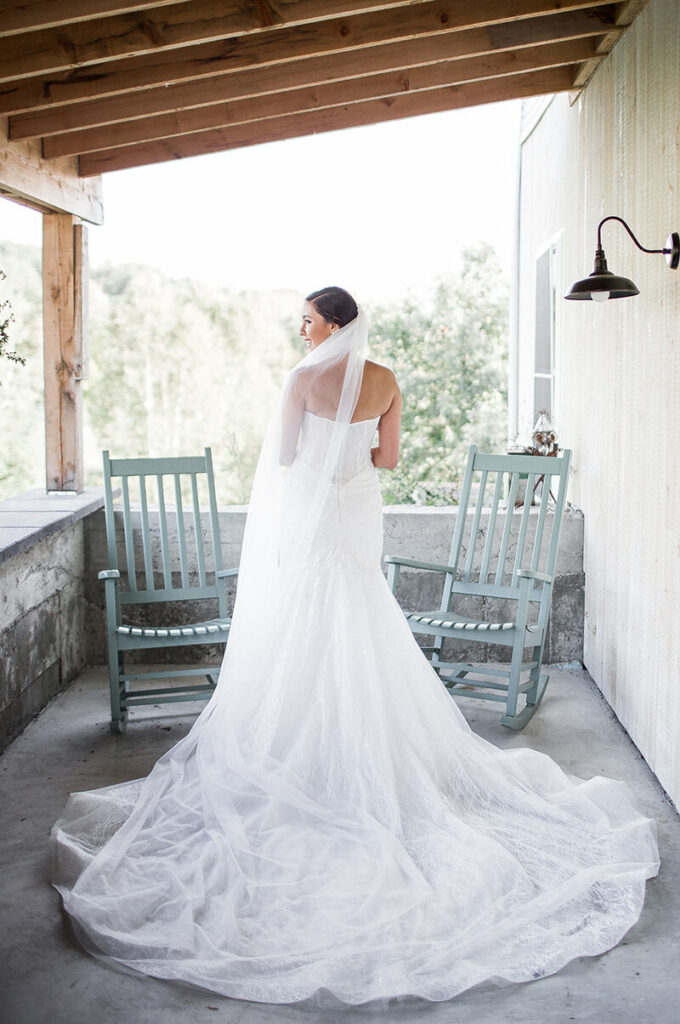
point(334, 304)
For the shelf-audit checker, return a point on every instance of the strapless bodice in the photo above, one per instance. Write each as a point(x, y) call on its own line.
point(315, 435)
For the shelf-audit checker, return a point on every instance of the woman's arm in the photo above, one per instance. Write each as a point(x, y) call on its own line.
point(386, 455)
point(291, 420)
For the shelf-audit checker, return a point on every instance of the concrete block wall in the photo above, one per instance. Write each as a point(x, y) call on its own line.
point(43, 639)
point(415, 532)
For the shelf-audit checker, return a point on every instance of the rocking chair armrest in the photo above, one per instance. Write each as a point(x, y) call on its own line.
point(414, 563)
point(109, 574)
point(531, 574)
point(222, 573)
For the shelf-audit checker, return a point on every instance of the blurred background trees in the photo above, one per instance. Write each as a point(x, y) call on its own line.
point(178, 365)
point(451, 364)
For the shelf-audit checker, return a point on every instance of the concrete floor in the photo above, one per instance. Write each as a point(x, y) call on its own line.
point(46, 978)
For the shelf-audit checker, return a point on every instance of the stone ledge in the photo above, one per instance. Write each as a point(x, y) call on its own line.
point(33, 515)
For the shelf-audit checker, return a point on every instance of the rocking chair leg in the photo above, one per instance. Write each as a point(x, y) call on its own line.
point(513, 680)
point(512, 720)
point(118, 713)
point(518, 722)
point(536, 678)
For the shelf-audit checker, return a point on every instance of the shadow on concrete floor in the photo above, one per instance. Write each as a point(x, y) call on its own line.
point(46, 978)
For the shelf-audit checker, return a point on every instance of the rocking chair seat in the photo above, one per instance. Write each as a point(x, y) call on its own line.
point(193, 629)
point(435, 619)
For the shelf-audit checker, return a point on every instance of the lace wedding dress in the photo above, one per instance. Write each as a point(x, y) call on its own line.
point(336, 827)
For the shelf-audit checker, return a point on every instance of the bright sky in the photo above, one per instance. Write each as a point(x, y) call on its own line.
point(378, 210)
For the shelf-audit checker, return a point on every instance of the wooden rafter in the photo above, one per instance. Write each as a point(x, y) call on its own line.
point(54, 51)
point(181, 24)
point(330, 94)
point(330, 119)
point(113, 83)
point(277, 50)
point(353, 63)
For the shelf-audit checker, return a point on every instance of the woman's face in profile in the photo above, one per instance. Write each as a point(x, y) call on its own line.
point(314, 329)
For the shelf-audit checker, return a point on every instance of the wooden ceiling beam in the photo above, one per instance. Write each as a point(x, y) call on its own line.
point(371, 112)
point(355, 90)
point(625, 15)
point(296, 74)
point(52, 50)
point(47, 185)
point(34, 15)
point(206, 62)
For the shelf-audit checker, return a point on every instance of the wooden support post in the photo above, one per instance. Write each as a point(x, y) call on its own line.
point(65, 345)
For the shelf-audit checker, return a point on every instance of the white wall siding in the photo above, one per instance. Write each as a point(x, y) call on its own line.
point(617, 151)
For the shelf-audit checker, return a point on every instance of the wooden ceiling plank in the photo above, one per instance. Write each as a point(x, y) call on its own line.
point(625, 15)
point(179, 25)
point(198, 63)
point(276, 78)
point(335, 118)
point(34, 15)
point(356, 90)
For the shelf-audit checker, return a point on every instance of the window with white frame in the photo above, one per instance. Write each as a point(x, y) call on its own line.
point(545, 327)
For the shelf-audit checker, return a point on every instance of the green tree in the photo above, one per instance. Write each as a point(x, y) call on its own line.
point(22, 417)
point(451, 364)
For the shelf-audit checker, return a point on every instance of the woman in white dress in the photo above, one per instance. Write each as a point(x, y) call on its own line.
point(331, 827)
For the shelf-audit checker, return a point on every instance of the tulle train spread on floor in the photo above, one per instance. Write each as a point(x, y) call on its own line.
point(334, 825)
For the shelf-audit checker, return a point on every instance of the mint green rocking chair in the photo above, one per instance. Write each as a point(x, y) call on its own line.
point(137, 583)
point(501, 571)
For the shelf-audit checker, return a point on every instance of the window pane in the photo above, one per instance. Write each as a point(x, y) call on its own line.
point(542, 395)
point(543, 362)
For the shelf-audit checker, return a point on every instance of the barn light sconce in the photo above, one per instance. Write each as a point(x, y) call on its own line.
point(602, 284)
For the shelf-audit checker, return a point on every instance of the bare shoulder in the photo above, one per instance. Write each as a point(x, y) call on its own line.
point(382, 375)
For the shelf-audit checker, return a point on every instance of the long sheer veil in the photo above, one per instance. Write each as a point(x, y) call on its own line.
point(273, 556)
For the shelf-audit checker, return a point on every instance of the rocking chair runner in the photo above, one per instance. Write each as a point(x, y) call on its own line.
point(174, 587)
point(514, 562)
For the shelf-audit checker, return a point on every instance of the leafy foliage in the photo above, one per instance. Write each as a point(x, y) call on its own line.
point(451, 365)
point(7, 318)
point(178, 365)
point(22, 417)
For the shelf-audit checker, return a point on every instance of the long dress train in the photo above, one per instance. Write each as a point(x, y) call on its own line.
point(332, 824)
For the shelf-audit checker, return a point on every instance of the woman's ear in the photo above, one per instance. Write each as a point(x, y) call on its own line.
point(335, 327)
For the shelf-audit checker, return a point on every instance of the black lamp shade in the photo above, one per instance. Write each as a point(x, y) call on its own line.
point(602, 281)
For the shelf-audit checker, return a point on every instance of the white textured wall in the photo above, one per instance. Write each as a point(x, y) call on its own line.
point(617, 151)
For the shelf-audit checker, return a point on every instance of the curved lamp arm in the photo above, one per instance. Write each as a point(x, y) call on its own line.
point(666, 252)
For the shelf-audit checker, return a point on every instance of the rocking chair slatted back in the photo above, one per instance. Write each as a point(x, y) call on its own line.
point(492, 539)
point(150, 475)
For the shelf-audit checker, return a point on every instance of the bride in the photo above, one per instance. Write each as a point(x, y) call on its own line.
point(331, 827)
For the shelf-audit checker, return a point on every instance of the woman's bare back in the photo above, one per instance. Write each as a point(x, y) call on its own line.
point(378, 388)
point(379, 397)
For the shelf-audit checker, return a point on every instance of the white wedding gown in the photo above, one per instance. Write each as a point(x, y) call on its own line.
point(333, 825)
